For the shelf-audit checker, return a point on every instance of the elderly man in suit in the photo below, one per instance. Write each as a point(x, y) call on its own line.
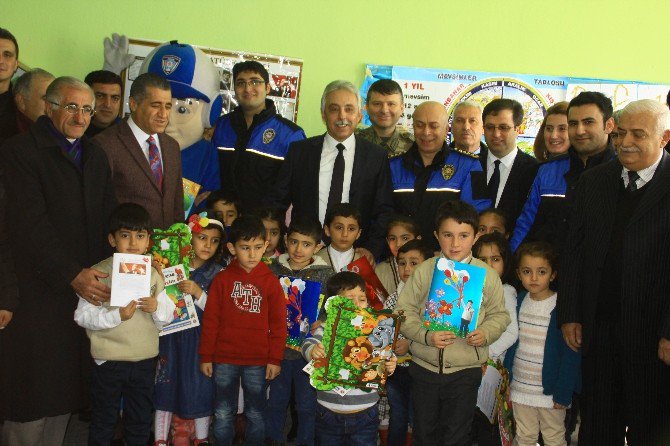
point(59, 197)
point(614, 285)
point(339, 167)
point(509, 171)
point(145, 162)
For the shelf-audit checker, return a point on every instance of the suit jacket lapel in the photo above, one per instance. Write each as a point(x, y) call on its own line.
point(169, 162)
point(128, 141)
point(657, 188)
point(517, 165)
point(483, 155)
point(360, 156)
point(313, 158)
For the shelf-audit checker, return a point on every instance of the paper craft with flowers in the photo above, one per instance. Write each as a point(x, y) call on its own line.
point(172, 248)
point(455, 297)
point(303, 298)
point(358, 342)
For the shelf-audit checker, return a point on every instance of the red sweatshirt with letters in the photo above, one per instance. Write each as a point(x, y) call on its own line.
point(245, 318)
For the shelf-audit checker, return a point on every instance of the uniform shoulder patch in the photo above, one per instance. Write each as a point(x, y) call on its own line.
point(448, 171)
point(268, 136)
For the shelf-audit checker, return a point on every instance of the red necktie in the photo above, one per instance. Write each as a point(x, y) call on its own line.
point(155, 162)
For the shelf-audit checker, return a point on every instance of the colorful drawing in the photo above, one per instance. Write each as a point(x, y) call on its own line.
point(358, 343)
point(374, 289)
point(455, 297)
point(171, 251)
point(505, 409)
point(190, 193)
point(303, 298)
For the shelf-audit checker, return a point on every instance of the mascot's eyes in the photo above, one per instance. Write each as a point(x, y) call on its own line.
point(182, 110)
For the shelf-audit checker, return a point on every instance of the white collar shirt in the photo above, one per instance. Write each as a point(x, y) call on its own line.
point(506, 163)
point(328, 155)
point(141, 136)
point(646, 174)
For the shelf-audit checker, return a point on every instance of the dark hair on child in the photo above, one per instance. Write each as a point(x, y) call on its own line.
point(406, 222)
point(131, 217)
point(342, 210)
point(543, 250)
point(246, 227)
point(499, 240)
point(344, 281)
point(457, 210)
point(276, 215)
point(306, 226)
point(227, 197)
point(499, 213)
point(419, 245)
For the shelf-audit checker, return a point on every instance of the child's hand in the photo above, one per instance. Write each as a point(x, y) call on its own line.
point(148, 304)
point(272, 371)
point(128, 311)
point(391, 364)
point(190, 287)
point(206, 369)
point(5, 318)
point(441, 339)
point(476, 338)
point(559, 406)
point(318, 351)
point(401, 347)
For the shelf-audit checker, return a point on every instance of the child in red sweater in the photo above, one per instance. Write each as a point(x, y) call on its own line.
point(243, 332)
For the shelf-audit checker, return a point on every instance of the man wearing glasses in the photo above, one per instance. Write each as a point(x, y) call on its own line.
point(509, 171)
point(59, 187)
point(253, 139)
point(145, 161)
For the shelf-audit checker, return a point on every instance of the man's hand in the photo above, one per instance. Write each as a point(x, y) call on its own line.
point(572, 333)
point(401, 347)
point(5, 318)
point(87, 286)
point(559, 406)
point(318, 351)
point(272, 371)
point(664, 351)
point(128, 311)
point(206, 369)
point(476, 338)
point(367, 254)
point(190, 287)
point(147, 304)
point(441, 339)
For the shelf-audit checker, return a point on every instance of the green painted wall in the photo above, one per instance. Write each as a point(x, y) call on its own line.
point(586, 38)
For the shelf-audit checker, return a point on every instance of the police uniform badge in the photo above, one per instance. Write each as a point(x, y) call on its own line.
point(448, 171)
point(268, 136)
point(169, 63)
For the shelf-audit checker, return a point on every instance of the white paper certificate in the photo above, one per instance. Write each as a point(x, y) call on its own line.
point(131, 278)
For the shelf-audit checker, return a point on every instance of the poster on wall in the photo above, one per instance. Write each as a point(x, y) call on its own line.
point(535, 93)
point(285, 75)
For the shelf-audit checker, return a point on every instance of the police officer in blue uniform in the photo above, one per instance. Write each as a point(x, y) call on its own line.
point(253, 139)
point(430, 172)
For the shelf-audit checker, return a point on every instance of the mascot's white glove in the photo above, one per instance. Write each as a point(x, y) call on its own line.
point(117, 58)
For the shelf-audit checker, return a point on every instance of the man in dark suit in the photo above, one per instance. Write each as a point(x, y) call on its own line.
point(509, 171)
point(145, 162)
point(614, 285)
point(339, 167)
point(59, 197)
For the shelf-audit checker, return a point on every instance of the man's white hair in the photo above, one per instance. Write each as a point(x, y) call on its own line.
point(473, 104)
point(660, 112)
point(339, 85)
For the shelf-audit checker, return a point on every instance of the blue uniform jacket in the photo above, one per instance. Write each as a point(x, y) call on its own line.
point(544, 216)
point(200, 164)
point(561, 369)
point(250, 158)
point(418, 191)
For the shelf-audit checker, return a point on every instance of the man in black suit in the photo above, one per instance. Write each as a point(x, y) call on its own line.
point(614, 285)
point(339, 167)
point(509, 171)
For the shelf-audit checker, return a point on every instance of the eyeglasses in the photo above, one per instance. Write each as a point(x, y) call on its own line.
point(501, 128)
point(73, 109)
point(252, 82)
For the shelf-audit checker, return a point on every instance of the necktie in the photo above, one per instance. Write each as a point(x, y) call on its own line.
point(632, 178)
point(494, 182)
point(155, 162)
point(337, 181)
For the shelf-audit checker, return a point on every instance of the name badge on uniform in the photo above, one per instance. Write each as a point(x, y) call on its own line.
point(448, 171)
point(268, 136)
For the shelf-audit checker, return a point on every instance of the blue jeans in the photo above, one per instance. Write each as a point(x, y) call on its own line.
point(355, 429)
point(305, 402)
point(399, 396)
point(227, 378)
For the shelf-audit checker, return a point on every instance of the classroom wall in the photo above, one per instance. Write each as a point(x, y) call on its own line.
point(613, 39)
